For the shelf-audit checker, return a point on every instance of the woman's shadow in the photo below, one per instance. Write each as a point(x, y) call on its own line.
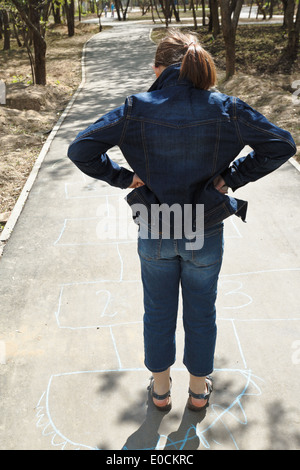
point(147, 436)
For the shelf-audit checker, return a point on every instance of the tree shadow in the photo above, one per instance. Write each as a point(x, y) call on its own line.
point(147, 436)
point(186, 438)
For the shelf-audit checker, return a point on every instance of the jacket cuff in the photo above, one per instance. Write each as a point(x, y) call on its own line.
point(231, 178)
point(126, 178)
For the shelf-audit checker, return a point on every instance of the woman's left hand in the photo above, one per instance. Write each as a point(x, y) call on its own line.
point(220, 185)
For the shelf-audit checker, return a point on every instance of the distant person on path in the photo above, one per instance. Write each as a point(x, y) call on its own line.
point(181, 139)
point(112, 10)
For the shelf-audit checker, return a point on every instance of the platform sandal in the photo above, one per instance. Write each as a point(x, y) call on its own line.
point(160, 397)
point(200, 396)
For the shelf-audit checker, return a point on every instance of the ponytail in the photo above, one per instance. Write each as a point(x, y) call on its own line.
point(196, 63)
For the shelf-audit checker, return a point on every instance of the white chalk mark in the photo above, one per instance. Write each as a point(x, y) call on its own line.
point(236, 291)
point(239, 344)
point(229, 410)
point(122, 264)
point(61, 232)
point(115, 347)
point(108, 295)
point(236, 232)
point(235, 410)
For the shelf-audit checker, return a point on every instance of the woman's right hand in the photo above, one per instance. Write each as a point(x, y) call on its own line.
point(136, 182)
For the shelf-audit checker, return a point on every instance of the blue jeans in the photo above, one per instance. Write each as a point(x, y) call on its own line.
point(165, 264)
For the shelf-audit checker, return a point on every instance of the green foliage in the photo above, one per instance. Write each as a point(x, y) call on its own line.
point(17, 78)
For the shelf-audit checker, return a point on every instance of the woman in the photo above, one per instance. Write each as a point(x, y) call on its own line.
point(180, 138)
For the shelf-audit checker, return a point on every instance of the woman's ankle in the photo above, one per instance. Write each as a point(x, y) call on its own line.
point(161, 382)
point(198, 384)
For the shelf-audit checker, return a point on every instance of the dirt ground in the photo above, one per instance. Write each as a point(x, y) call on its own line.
point(32, 111)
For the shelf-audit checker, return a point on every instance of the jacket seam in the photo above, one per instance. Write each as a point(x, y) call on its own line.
point(129, 107)
point(217, 208)
point(266, 132)
point(131, 197)
point(177, 126)
point(236, 124)
point(145, 152)
point(215, 156)
point(112, 124)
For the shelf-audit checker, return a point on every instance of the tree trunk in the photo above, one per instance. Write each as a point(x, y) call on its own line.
point(118, 8)
point(124, 11)
point(293, 29)
point(56, 12)
point(30, 15)
point(6, 30)
point(165, 6)
point(230, 57)
point(70, 14)
point(1, 26)
point(157, 11)
point(230, 13)
point(271, 9)
point(80, 10)
point(203, 12)
point(176, 12)
point(214, 22)
point(194, 15)
point(284, 3)
point(15, 28)
point(39, 43)
point(31, 58)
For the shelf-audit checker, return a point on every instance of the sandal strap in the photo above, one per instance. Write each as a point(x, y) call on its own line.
point(155, 395)
point(203, 396)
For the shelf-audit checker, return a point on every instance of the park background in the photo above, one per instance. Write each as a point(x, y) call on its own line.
point(71, 354)
point(254, 44)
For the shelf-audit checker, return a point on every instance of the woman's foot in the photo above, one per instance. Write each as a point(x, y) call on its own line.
point(199, 401)
point(162, 403)
point(161, 400)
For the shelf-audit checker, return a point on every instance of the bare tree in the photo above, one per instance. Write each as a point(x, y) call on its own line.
point(70, 14)
point(230, 13)
point(56, 11)
point(293, 27)
point(192, 6)
point(30, 12)
point(6, 29)
point(167, 11)
point(214, 24)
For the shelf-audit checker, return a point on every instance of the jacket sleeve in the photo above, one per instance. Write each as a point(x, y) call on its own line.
point(272, 146)
point(88, 150)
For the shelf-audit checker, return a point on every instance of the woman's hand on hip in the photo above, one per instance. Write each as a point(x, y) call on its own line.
point(220, 185)
point(136, 182)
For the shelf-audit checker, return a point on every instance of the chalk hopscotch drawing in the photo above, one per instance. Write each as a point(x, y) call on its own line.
point(220, 416)
point(106, 311)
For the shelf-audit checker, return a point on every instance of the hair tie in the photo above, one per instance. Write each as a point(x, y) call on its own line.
point(191, 44)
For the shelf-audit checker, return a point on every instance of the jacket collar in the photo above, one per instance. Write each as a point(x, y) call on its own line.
point(170, 77)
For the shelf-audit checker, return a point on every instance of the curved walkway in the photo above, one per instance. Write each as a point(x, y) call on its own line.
point(71, 352)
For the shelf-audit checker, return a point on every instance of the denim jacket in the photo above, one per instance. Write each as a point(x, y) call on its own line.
point(177, 139)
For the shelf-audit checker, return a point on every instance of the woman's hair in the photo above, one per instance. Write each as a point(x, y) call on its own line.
point(196, 63)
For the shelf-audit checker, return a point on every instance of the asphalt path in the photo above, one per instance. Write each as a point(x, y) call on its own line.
point(71, 350)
